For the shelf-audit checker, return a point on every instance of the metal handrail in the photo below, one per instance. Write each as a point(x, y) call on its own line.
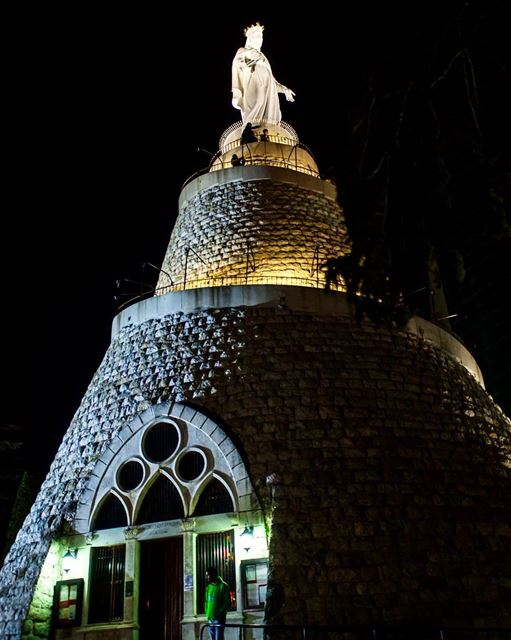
point(191, 178)
point(226, 281)
point(262, 161)
point(228, 131)
point(256, 160)
point(135, 299)
point(238, 125)
point(368, 631)
point(271, 138)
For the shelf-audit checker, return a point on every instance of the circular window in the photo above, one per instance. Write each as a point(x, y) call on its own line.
point(191, 465)
point(130, 475)
point(160, 442)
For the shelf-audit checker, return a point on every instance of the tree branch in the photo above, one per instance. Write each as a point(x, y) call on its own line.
point(395, 140)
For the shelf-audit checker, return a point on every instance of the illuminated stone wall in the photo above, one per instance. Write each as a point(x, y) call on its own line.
point(270, 225)
point(37, 623)
point(394, 491)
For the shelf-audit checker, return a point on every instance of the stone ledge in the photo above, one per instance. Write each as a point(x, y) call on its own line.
point(192, 300)
point(256, 172)
point(318, 301)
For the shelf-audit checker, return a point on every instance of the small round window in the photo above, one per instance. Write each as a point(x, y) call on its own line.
point(130, 475)
point(160, 442)
point(191, 465)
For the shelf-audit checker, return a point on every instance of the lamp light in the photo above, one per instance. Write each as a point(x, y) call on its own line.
point(68, 559)
point(248, 532)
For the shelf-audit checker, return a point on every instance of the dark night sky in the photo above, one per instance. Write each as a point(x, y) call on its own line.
point(101, 118)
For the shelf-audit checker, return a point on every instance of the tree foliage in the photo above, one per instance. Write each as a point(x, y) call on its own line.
point(426, 180)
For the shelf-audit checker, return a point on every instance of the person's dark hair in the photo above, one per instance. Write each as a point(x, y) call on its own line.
point(212, 571)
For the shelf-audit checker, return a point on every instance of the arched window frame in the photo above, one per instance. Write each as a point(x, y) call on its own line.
point(197, 431)
point(122, 499)
point(202, 486)
point(147, 487)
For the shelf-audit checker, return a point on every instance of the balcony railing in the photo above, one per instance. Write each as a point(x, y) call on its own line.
point(256, 160)
point(316, 282)
point(236, 144)
point(291, 133)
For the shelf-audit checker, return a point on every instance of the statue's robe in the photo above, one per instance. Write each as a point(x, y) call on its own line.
point(255, 90)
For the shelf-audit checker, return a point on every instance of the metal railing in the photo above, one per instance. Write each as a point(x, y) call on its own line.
point(239, 125)
point(410, 631)
point(250, 160)
point(269, 161)
point(235, 144)
point(226, 281)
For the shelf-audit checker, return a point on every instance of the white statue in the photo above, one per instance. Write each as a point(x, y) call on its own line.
point(254, 89)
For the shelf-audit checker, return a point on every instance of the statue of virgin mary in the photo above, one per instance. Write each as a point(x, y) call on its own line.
point(254, 89)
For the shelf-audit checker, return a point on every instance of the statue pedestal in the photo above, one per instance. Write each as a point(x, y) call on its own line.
point(279, 147)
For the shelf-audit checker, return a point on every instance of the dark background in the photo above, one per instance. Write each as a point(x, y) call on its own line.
point(101, 119)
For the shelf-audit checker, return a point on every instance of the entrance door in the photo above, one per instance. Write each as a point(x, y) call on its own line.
point(161, 589)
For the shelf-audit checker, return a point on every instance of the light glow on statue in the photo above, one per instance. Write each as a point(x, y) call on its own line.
point(254, 89)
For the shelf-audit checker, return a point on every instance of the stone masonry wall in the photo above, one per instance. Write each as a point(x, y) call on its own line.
point(38, 621)
point(283, 224)
point(394, 491)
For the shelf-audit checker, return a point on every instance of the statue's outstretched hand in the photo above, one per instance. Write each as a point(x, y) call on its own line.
point(290, 95)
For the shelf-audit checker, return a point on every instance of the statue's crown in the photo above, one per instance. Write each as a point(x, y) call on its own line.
point(252, 28)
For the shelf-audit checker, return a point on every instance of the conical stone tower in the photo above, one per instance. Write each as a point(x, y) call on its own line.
point(333, 472)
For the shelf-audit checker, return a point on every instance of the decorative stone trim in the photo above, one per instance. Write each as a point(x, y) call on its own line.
point(188, 524)
point(90, 537)
point(196, 431)
point(132, 532)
